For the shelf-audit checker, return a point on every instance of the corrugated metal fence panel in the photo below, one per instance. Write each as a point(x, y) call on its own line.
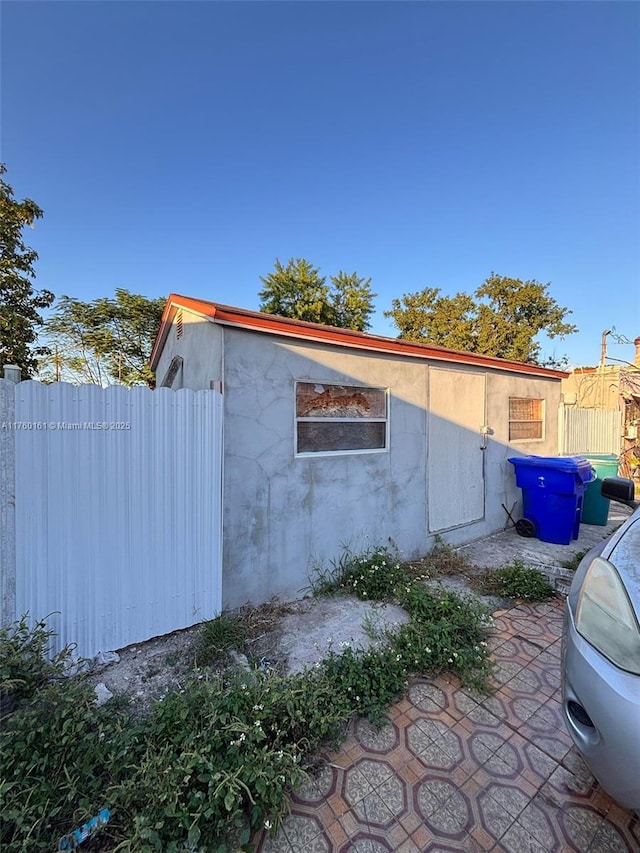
point(118, 529)
point(591, 431)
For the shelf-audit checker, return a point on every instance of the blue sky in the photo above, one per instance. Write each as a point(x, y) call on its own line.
point(183, 146)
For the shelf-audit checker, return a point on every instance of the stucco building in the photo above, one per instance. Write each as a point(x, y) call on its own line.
point(335, 438)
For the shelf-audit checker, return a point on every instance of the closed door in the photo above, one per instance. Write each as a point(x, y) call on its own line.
point(455, 448)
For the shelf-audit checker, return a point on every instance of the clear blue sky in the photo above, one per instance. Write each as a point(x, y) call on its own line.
point(183, 146)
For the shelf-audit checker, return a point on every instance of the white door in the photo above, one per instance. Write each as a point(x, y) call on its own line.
point(455, 441)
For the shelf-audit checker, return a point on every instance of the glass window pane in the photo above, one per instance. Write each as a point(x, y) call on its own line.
point(339, 401)
point(316, 437)
point(526, 429)
point(524, 409)
point(525, 418)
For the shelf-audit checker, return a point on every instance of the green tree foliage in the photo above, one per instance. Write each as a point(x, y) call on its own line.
point(443, 320)
point(299, 291)
point(105, 341)
point(352, 301)
point(501, 319)
point(20, 303)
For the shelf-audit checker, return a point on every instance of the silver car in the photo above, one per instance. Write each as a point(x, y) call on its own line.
point(601, 656)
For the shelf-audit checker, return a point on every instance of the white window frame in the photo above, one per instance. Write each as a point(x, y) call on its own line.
point(541, 420)
point(311, 454)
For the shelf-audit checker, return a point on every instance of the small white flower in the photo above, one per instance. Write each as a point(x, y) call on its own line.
point(267, 824)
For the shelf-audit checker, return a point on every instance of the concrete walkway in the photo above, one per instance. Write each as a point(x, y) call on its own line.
point(452, 770)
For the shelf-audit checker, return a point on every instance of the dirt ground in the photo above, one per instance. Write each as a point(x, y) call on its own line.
point(282, 637)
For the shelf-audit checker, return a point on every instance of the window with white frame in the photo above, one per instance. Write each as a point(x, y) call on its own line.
point(340, 418)
point(526, 418)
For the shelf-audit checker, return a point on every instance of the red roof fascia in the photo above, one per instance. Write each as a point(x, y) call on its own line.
point(273, 324)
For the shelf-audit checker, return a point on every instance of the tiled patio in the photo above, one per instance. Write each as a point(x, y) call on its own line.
point(456, 771)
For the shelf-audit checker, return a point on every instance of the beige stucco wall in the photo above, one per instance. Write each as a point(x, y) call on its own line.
point(595, 390)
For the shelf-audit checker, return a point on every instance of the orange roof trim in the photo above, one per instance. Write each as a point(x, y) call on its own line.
point(316, 332)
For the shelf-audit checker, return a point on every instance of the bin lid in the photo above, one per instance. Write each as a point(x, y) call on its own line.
point(579, 465)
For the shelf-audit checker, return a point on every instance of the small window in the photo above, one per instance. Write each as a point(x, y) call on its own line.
point(340, 418)
point(526, 418)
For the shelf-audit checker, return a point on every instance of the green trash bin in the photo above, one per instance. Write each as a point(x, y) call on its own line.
point(595, 508)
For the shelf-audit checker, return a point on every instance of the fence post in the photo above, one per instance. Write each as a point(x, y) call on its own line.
point(561, 428)
point(7, 502)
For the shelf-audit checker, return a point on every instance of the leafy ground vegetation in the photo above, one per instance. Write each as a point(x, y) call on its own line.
point(515, 580)
point(215, 759)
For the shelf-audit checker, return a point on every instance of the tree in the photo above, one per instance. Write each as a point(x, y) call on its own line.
point(297, 291)
point(442, 320)
point(352, 301)
point(501, 319)
point(515, 312)
point(300, 292)
point(20, 303)
point(107, 339)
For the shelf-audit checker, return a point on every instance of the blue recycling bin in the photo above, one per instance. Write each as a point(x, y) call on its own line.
point(552, 494)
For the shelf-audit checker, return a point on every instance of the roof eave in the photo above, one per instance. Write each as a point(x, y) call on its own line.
point(315, 332)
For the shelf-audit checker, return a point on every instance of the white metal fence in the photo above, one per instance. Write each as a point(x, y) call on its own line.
point(118, 524)
point(589, 431)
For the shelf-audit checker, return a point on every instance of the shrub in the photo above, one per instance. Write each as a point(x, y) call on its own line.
point(24, 663)
point(371, 576)
point(221, 756)
point(59, 755)
point(516, 580)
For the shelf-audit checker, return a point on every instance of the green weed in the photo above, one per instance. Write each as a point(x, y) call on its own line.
point(25, 665)
point(218, 637)
point(516, 580)
point(371, 576)
point(217, 759)
point(574, 562)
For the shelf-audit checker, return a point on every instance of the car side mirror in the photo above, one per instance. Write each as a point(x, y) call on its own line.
point(619, 489)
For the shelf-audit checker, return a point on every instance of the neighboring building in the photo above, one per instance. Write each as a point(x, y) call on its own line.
point(336, 438)
point(609, 388)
